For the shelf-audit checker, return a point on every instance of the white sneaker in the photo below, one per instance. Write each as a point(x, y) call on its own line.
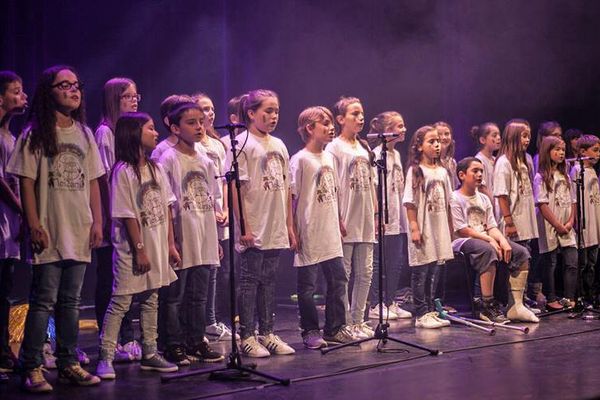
point(134, 349)
point(49, 358)
point(252, 348)
point(428, 321)
point(362, 331)
point(443, 321)
point(399, 311)
point(275, 345)
point(387, 313)
point(219, 332)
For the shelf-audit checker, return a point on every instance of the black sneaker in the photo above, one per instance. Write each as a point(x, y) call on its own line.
point(177, 355)
point(490, 311)
point(206, 354)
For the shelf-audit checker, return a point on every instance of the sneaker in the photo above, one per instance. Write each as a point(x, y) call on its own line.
point(122, 356)
point(531, 305)
point(34, 381)
point(134, 349)
point(177, 355)
point(387, 313)
point(428, 321)
point(157, 363)
point(252, 348)
point(404, 296)
point(399, 311)
point(343, 335)
point(105, 370)
point(275, 345)
point(76, 375)
point(48, 355)
point(362, 331)
point(491, 312)
point(313, 340)
point(566, 303)
point(82, 357)
point(219, 332)
point(443, 321)
point(206, 354)
point(450, 309)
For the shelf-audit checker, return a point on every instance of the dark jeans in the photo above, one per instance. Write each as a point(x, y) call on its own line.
point(257, 290)
point(54, 287)
point(587, 265)
point(335, 314)
point(6, 284)
point(104, 283)
point(548, 264)
point(392, 245)
point(424, 281)
point(192, 284)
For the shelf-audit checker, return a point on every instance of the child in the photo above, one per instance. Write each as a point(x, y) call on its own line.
point(395, 244)
point(555, 216)
point(447, 152)
point(58, 164)
point(357, 206)
point(169, 103)
point(426, 197)
point(571, 137)
point(13, 101)
point(314, 190)
point(479, 238)
point(120, 96)
point(513, 191)
point(547, 128)
point(142, 236)
point(211, 146)
point(266, 203)
point(588, 146)
point(487, 139)
point(193, 178)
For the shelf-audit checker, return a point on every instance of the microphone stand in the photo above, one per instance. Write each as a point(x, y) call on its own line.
point(234, 370)
point(381, 331)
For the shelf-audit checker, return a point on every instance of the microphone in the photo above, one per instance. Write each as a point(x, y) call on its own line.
point(382, 135)
point(230, 126)
point(570, 160)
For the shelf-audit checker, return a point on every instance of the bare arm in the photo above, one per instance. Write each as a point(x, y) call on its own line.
point(551, 218)
point(141, 263)
point(96, 207)
point(290, 223)
point(509, 226)
point(39, 237)
point(413, 226)
point(174, 256)
point(246, 240)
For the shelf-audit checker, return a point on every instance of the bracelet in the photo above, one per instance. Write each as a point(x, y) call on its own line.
point(510, 224)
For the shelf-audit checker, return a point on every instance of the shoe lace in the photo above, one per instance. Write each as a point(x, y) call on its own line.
point(77, 371)
point(36, 375)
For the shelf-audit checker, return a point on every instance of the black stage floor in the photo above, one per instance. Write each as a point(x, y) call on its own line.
point(558, 359)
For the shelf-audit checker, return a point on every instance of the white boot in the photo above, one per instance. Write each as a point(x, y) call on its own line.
point(516, 310)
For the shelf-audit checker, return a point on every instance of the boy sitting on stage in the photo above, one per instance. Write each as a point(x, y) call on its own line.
point(483, 243)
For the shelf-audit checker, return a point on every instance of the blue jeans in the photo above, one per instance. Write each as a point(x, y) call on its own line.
point(257, 290)
point(6, 283)
point(191, 285)
point(548, 265)
point(54, 287)
point(358, 261)
point(337, 281)
point(392, 247)
point(104, 283)
point(424, 281)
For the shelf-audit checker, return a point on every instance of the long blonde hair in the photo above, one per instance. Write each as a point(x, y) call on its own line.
point(511, 144)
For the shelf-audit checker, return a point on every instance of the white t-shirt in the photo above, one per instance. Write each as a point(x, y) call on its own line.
point(395, 191)
point(192, 179)
point(10, 221)
point(314, 187)
point(356, 202)
point(148, 203)
point(264, 172)
point(520, 197)
point(591, 233)
point(215, 150)
point(560, 201)
point(160, 148)
point(431, 202)
point(105, 139)
point(488, 170)
point(473, 212)
point(62, 190)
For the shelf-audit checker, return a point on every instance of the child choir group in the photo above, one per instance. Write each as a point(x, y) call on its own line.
point(156, 215)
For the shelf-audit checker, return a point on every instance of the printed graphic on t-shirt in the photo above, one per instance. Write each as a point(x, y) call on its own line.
point(195, 194)
point(525, 189)
point(150, 203)
point(66, 172)
point(360, 174)
point(435, 196)
point(325, 185)
point(594, 192)
point(562, 194)
point(476, 218)
point(273, 172)
point(397, 178)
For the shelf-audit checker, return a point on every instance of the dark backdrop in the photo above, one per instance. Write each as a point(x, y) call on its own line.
point(465, 62)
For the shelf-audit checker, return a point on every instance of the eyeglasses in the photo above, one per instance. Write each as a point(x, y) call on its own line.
point(66, 85)
point(130, 97)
